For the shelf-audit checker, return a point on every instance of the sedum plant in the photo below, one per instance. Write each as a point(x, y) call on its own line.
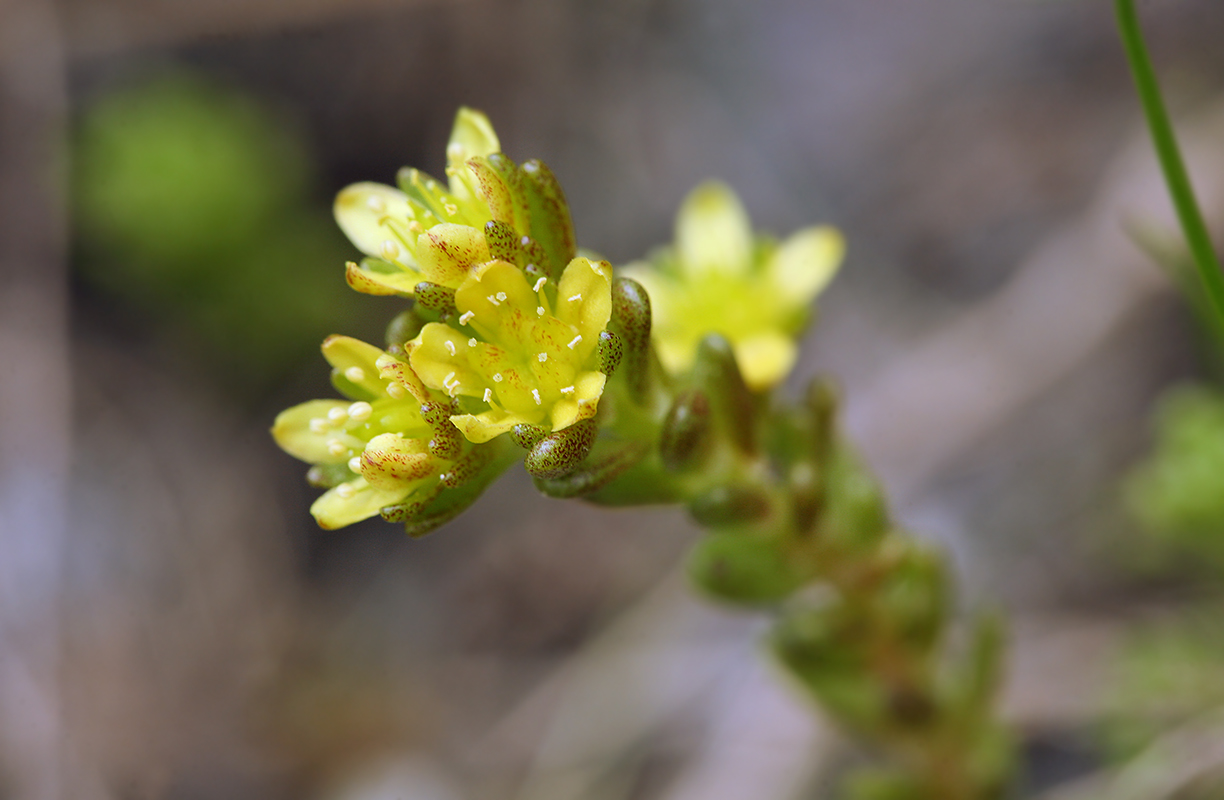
point(650, 384)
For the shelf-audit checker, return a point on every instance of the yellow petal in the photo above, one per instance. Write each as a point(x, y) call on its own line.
point(352, 502)
point(447, 252)
point(307, 432)
point(392, 369)
point(498, 303)
point(582, 403)
point(362, 211)
point(357, 361)
point(713, 233)
point(472, 135)
point(379, 283)
point(391, 461)
point(439, 356)
point(807, 261)
point(765, 359)
point(584, 298)
point(480, 428)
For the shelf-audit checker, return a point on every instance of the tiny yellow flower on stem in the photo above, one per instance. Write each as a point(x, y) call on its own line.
point(375, 449)
point(719, 278)
point(523, 352)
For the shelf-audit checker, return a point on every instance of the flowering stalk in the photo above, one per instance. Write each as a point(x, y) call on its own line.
point(651, 386)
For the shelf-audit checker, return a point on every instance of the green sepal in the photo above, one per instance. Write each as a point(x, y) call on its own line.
point(500, 185)
point(631, 321)
point(551, 223)
point(912, 598)
point(447, 442)
point(731, 402)
point(534, 254)
point(527, 436)
point(854, 513)
point(325, 476)
point(435, 298)
point(742, 568)
point(503, 243)
point(560, 453)
point(685, 429)
point(403, 328)
point(728, 505)
point(606, 462)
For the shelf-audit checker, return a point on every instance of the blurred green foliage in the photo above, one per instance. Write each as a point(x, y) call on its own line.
point(193, 210)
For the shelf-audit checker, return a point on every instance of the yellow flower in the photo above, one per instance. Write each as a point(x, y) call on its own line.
point(524, 352)
point(374, 449)
point(719, 279)
point(423, 231)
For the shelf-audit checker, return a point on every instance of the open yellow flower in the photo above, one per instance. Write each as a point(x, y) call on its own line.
point(718, 278)
point(372, 449)
point(422, 231)
point(525, 353)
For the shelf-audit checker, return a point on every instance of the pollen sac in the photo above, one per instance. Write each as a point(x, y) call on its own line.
point(631, 318)
point(436, 298)
point(404, 327)
point(716, 370)
point(551, 223)
point(503, 242)
point(560, 453)
point(726, 505)
point(611, 350)
point(685, 429)
point(527, 436)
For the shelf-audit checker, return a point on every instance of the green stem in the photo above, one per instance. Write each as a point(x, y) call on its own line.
point(1170, 158)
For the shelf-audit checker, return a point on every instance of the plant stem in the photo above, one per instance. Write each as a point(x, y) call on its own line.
point(1169, 154)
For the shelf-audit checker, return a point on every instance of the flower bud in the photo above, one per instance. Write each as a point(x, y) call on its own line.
point(631, 318)
point(742, 568)
point(685, 429)
point(560, 453)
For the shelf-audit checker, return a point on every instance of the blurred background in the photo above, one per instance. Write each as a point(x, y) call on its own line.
point(1017, 365)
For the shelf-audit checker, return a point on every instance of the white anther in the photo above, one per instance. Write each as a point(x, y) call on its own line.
point(493, 299)
point(354, 464)
point(540, 283)
point(536, 394)
point(576, 298)
point(395, 390)
point(542, 357)
point(574, 342)
point(450, 208)
point(466, 317)
point(390, 250)
point(346, 490)
point(497, 377)
point(594, 268)
point(355, 374)
point(472, 342)
point(488, 395)
point(337, 415)
point(568, 390)
point(319, 425)
point(539, 311)
point(501, 296)
point(450, 346)
point(450, 376)
point(360, 411)
point(336, 447)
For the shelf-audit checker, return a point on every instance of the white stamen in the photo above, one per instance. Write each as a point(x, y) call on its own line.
point(466, 317)
point(568, 390)
point(493, 299)
point(536, 394)
point(450, 208)
point(574, 342)
point(395, 390)
point(345, 490)
point(539, 311)
point(319, 425)
point(337, 415)
point(360, 411)
point(543, 280)
point(472, 342)
point(450, 376)
point(336, 447)
point(355, 464)
point(542, 357)
point(497, 377)
point(450, 346)
point(355, 374)
point(501, 296)
point(488, 395)
point(576, 298)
